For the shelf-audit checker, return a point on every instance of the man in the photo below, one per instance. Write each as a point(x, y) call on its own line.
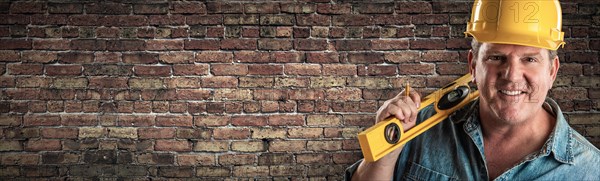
point(512, 132)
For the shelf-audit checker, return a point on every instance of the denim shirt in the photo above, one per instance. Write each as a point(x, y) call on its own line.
point(453, 150)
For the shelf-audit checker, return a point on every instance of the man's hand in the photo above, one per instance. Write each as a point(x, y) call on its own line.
point(402, 107)
point(405, 109)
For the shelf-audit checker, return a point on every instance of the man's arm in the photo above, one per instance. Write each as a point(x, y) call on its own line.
point(404, 108)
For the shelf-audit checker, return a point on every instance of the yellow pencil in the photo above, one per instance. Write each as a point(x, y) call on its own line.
point(407, 93)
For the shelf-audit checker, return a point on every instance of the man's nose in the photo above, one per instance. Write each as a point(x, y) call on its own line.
point(512, 70)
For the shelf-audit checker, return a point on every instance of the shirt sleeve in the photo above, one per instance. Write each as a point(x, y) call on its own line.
point(350, 170)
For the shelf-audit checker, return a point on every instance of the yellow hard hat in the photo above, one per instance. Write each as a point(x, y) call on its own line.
point(520, 22)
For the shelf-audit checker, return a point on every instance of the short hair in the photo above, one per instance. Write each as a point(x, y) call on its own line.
point(475, 48)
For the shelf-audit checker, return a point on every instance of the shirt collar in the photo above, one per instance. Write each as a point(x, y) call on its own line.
point(559, 143)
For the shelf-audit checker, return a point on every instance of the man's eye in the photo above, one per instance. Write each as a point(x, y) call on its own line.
point(495, 58)
point(530, 59)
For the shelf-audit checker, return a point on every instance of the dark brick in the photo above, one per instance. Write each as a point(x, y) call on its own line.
point(176, 172)
point(352, 45)
point(366, 57)
point(108, 8)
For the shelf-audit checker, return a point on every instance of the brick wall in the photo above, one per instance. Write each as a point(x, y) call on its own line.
point(273, 90)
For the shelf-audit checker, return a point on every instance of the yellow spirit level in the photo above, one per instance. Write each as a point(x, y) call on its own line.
point(387, 135)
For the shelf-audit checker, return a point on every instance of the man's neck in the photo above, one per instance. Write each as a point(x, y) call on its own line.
point(537, 128)
point(507, 144)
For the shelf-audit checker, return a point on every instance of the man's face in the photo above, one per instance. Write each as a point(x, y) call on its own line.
point(512, 80)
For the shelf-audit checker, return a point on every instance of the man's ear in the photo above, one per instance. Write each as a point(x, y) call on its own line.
point(471, 63)
point(555, 65)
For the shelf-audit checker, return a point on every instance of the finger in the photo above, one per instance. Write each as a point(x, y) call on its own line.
point(406, 111)
point(395, 109)
point(413, 109)
point(415, 97)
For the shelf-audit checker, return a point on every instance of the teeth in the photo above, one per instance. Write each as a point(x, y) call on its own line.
point(512, 93)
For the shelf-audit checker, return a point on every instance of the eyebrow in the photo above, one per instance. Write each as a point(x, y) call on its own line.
point(493, 52)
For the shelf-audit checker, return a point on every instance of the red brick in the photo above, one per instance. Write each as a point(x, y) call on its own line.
point(9, 56)
point(265, 69)
point(288, 57)
point(239, 44)
point(390, 44)
point(219, 82)
point(583, 57)
point(400, 57)
point(105, 57)
point(231, 133)
point(188, 8)
point(278, 19)
point(252, 57)
point(81, 20)
point(314, 158)
point(413, 7)
point(126, 45)
point(38, 57)
point(15, 44)
point(65, 8)
point(108, 82)
point(43, 145)
point(49, 19)
point(430, 19)
point(310, 44)
point(108, 8)
point(140, 58)
point(190, 69)
point(366, 57)
point(150, 8)
point(43, 44)
point(136, 121)
point(287, 146)
point(323, 57)
point(63, 70)
point(193, 94)
point(202, 44)
point(313, 20)
point(211, 19)
point(173, 145)
point(249, 120)
point(427, 44)
point(352, 20)
point(440, 56)
point(379, 70)
point(89, 44)
point(416, 69)
point(59, 132)
point(229, 69)
point(166, 20)
point(152, 71)
point(306, 94)
point(27, 7)
point(274, 44)
point(334, 8)
point(344, 158)
point(175, 120)
point(302, 69)
point(164, 45)
point(352, 45)
point(451, 7)
point(339, 69)
point(79, 119)
point(455, 69)
point(209, 57)
point(286, 120)
point(22, 94)
point(41, 120)
point(25, 69)
point(262, 8)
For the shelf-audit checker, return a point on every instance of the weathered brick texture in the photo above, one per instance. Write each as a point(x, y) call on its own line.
point(221, 90)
